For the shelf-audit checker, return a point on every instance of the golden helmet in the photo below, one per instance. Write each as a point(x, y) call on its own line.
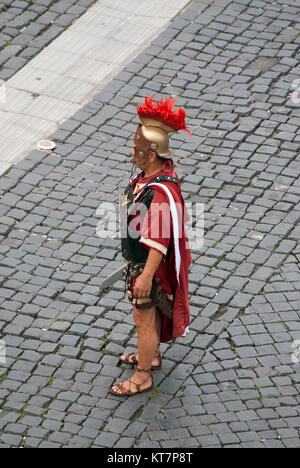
point(158, 119)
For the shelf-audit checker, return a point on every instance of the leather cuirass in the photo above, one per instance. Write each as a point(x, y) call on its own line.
point(132, 250)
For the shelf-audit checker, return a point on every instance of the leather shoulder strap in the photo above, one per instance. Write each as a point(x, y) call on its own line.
point(162, 178)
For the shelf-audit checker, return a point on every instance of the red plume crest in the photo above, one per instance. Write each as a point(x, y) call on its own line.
point(163, 111)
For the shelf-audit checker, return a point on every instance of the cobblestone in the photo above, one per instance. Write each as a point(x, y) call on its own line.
point(234, 381)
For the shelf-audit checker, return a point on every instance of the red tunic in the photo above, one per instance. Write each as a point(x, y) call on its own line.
point(163, 229)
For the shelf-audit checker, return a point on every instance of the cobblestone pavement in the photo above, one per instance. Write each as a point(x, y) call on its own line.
point(27, 26)
point(234, 381)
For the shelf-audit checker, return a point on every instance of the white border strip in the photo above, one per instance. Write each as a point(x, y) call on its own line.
point(175, 226)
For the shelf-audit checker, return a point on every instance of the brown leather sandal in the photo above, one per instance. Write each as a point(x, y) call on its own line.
point(157, 355)
point(127, 392)
point(131, 359)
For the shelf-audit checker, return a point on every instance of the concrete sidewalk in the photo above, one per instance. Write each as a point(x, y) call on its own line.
point(234, 381)
point(52, 86)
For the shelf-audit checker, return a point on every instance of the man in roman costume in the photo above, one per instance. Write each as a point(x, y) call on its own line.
point(154, 243)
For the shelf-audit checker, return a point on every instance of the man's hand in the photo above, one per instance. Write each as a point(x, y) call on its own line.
point(143, 285)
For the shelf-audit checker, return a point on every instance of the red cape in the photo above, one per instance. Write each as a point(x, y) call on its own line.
point(178, 260)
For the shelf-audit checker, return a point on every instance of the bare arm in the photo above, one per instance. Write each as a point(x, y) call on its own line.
point(144, 281)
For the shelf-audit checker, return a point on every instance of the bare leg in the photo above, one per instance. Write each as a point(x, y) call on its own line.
point(158, 319)
point(148, 329)
point(148, 323)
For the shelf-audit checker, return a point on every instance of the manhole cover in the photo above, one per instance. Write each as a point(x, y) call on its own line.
point(46, 144)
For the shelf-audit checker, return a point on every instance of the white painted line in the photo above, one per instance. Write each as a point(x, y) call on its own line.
point(74, 67)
